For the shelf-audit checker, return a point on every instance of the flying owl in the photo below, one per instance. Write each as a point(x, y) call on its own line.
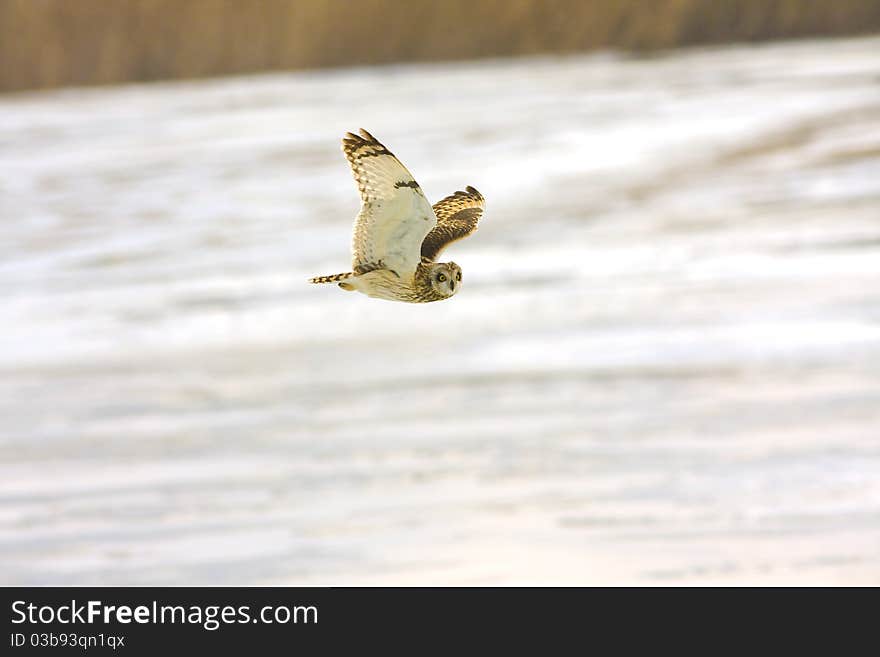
point(398, 235)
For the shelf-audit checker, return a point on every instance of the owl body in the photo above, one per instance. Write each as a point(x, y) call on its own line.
point(430, 282)
point(397, 234)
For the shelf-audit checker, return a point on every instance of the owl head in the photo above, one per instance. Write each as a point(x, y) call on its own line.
point(445, 278)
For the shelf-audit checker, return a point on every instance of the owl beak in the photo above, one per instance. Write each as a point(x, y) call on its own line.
point(452, 285)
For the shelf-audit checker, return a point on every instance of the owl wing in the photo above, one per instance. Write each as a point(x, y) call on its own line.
point(457, 217)
point(395, 216)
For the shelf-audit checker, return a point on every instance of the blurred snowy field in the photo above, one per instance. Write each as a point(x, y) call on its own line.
point(663, 367)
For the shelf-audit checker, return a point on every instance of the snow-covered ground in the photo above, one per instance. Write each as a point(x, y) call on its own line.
point(664, 365)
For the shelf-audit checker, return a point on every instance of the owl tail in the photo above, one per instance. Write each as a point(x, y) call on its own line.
point(335, 278)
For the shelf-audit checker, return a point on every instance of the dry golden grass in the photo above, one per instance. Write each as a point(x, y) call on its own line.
point(46, 43)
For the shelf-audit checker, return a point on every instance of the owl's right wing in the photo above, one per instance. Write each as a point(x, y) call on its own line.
point(395, 216)
point(457, 217)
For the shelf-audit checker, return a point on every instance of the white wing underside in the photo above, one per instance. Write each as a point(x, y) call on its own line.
point(395, 216)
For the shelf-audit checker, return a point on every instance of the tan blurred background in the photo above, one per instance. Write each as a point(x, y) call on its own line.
point(49, 43)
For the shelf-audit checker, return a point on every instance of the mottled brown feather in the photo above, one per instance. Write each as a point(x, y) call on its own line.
point(457, 217)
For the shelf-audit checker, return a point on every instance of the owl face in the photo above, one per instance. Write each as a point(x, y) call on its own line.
point(445, 278)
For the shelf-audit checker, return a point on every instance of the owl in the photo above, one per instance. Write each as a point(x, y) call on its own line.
point(397, 234)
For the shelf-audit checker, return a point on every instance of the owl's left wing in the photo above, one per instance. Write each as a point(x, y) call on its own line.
point(457, 217)
point(395, 216)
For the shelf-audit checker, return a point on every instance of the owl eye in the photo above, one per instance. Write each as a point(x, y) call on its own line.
point(442, 278)
point(458, 276)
